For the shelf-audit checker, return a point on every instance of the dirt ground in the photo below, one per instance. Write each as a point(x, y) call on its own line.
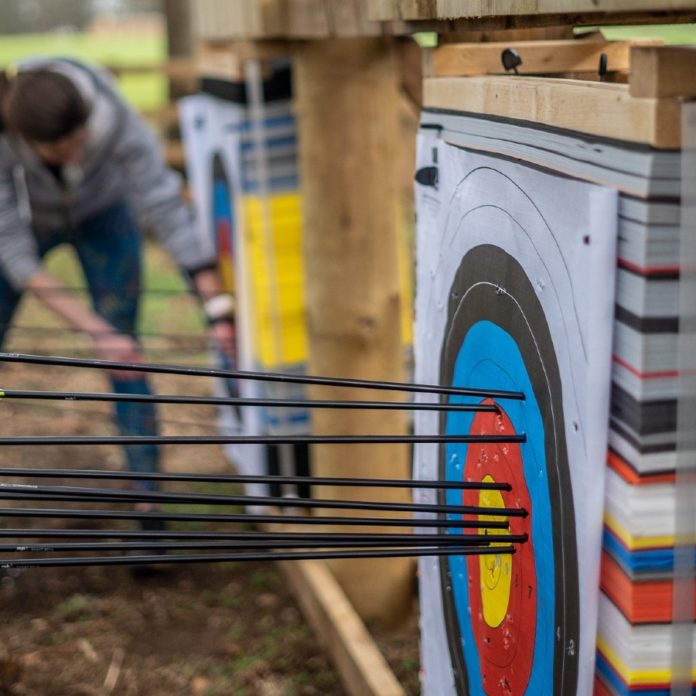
point(204, 630)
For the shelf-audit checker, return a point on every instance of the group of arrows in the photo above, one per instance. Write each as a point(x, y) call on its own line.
point(440, 529)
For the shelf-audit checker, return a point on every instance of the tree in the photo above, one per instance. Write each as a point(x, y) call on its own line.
point(37, 16)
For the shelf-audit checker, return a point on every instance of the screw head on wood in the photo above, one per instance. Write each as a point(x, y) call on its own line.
point(510, 59)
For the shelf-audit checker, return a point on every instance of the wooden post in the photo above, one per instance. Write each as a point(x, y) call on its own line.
point(348, 115)
point(662, 72)
point(179, 36)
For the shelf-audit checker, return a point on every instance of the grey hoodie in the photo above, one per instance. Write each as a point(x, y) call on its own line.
point(122, 160)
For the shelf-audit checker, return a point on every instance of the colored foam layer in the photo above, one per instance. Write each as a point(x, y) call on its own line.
point(634, 645)
point(273, 236)
point(641, 601)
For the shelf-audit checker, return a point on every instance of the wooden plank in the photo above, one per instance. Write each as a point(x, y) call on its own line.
point(226, 59)
point(174, 154)
point(402, 9)
point(292, 19)
point(538, 57)
point(550, 33)
point(363, 669)
point(479, 8)
point(347, 100)
point(601, 109)
point(164, 117)
point(179, 69)
point(350, 18)
point(307, 19)
point(386, 10)
point(224, 65)
point(220, 19)
point(668, 71)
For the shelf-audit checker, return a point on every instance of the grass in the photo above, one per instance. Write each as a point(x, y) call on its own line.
point(161, 313)
point(148, 91)
point(77, 607)
point(173, 311)
point(670, 33)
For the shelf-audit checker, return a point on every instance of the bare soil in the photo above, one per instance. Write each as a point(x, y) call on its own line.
point(204, 630)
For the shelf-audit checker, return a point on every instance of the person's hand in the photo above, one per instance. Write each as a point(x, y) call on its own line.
point(222, 334)
point(117, 347)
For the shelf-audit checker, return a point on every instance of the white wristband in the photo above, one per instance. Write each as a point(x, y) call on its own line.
point(219, 307)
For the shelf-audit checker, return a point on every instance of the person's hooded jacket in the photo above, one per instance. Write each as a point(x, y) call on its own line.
point(122, 160)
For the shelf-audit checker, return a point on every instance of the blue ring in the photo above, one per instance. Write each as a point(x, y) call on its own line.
point(475, 367)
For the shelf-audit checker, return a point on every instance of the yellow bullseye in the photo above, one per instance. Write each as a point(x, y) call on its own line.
point(495, 570)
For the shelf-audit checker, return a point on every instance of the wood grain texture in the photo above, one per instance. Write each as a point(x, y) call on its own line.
point(538, 57)
point(667, 71)
point(226, 60)
point(385, 10)
point(291, 19)
point(347, 102)
point(363, 669)
point(601, 109)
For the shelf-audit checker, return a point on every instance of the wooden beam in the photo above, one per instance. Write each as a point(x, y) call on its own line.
point(362, 667)
point(180, 42)
point(538, 57)
point(174, 154)
point(226, 59)
point(601, 109)
point(403, 9)
point(296, 19)
point(667, 71)
point(164, 117)
point(386, 10)
point(478, 8)
point(347, 101)
point(551, 33)
point(175, 68)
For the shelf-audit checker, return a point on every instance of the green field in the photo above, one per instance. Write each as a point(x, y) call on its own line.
point(670, 33)
point(144, 91)
point(161, 313)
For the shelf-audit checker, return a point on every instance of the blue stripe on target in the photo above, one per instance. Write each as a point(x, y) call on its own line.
point(490, 359)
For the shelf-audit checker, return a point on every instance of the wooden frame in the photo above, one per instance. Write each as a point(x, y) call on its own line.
point(538, 57)
point(391, 10)
point(646, 111)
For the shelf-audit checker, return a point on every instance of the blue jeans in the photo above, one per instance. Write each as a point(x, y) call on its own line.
point(109, 247)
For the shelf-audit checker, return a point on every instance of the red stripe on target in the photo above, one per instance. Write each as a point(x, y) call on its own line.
point(502, 588)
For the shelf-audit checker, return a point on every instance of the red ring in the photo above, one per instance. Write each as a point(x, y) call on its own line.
point(506, 652)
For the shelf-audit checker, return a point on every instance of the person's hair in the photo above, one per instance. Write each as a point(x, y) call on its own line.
point(41, 105)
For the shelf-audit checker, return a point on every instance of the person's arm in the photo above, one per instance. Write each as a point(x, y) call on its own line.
point(21, 266)
point(219, 309)
point(108, 342)
point(156, 192)
point(19, 256)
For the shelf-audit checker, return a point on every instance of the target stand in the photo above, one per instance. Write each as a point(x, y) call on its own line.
point(503, 305)
point(494, 604)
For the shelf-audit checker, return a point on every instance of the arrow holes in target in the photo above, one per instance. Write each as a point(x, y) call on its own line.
point(503, 586)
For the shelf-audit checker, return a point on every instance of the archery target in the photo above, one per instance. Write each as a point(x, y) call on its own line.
point(223, 227)
point(210, 130)
point(223, 220)
point(497, 641)
point(507, 299)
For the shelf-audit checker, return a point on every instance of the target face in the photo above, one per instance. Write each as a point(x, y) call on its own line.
point(223, 229)
point(503, 594)
point(505, 636)
point(223, 222)
point(515, 270)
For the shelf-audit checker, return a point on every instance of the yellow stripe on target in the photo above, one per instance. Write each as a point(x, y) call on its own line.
point(495, 570)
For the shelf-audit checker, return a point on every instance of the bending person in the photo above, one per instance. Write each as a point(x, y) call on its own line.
point(76, 164)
